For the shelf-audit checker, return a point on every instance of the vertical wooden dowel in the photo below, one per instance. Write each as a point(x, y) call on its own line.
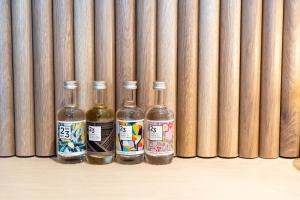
point(208, 78)
point(229, 77)
point(167, 51)
point(146, 51)
point(125, 45)
point(187, 77)
point(84, 50)
point(250, 78)
point(43, 77)
point(105, 46)
point(7, 137)
point(63, 47)
point(290, 89)
point(270, 78)
point(23, 78)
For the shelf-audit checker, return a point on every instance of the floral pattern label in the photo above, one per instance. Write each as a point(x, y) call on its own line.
point(130, 137)
point(101, 137)
point(159, 137)
point(71, 139)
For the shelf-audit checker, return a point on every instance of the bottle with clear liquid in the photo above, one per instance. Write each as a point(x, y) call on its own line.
point(159, 129)
point(100, 126)
point(130, 128)
point(71, 138)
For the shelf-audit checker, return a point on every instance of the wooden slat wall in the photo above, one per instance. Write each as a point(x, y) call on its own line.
point(125, 46)
point(7, 137)
point(43, 77)
point(232, 69)
point(208, 78)
point(271, 78)
point(146, 51)
point(63, 47)
point(84, 51)
point(250, 78)
point(166, 51)
point(187, 77)
point(23, 78)
point(290, 89)
point(105, 46)
point(229, 77)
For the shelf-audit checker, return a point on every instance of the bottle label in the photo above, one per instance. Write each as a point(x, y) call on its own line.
point(100, 137)
point(71, 139)
point(159, 137)
point(130, 137)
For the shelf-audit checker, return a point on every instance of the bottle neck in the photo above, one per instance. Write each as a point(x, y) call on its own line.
point(100, 96)
point(130, 98)
point(160, 97)
point(71, 98)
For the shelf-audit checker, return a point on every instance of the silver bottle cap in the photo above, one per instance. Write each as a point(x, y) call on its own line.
point(160, 85)
point(71, 84)
point(99, 85)
point(132, 85)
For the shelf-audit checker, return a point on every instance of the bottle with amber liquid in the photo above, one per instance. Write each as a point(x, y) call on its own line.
point(130, 128)
point(159, 132)
point(100, 126)
point(71, 138)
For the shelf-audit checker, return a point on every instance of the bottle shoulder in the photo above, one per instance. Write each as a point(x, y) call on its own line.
point(128, 113)
point(99, 114)
point(70, 114)
point(159, 113)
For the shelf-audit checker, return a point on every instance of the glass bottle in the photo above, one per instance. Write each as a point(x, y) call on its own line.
point(159, 129)
point(130, 128)
point(100, 123)
point(71, 138)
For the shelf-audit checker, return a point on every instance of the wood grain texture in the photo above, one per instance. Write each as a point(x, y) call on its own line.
point(250, 78)
point(146, 51)
point(23, 77)
point(290, 88)
point(270, 78)
point(63, 47)
point(7, 137)
point(43, 77)
point(229, 77)
point(105, 46)
point(84, 51)
point(187, 78)
point(208, 78)
point(125, 46)
point(166, 52)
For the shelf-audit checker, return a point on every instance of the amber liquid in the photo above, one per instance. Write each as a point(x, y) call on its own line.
point(100, 113)
point(70, 113)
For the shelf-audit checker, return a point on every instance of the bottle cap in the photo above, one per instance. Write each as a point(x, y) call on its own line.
point(71, 84)
point(160, 85)
point(100, 85)
point(130, 85)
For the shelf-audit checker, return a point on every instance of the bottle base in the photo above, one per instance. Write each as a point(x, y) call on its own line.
point(71, 159)
point(159, 160)
point(99, 159)
point(130, 160)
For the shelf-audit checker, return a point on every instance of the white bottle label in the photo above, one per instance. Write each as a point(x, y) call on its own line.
point(95, 133)
point(125, 132)
point(156, 133)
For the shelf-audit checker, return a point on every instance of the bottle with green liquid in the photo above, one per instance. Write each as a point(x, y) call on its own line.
point(70, 137)
point(130, 128)
point(100, 126)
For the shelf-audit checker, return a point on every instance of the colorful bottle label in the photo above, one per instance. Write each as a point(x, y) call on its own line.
point(100, 137)
point(130, 137)
point(71, 139)
point(159, 137)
